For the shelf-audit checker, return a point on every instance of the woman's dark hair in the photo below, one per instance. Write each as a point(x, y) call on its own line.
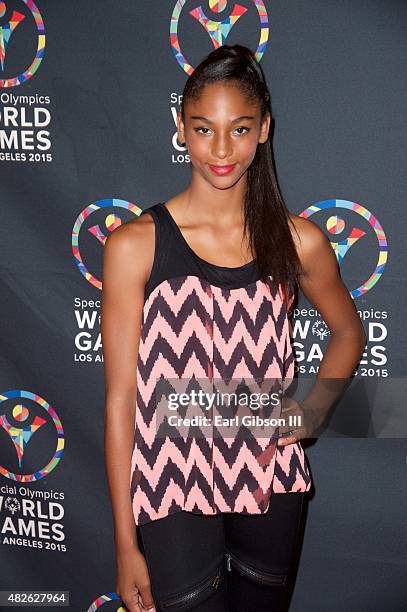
point(266, 220)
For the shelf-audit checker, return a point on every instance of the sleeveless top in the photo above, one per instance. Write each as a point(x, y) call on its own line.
point(203, 320)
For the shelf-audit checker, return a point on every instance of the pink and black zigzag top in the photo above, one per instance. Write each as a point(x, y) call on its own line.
point(202, 320)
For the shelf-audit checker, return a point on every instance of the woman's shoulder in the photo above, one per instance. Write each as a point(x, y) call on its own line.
point(132, 243)
point(133, 234)
point(308, 237)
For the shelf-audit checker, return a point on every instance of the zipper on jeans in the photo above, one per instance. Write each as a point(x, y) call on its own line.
point(232, 560)
point(212, 581)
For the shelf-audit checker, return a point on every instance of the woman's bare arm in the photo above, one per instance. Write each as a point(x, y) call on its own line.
point(324, 289)
point(127, 261)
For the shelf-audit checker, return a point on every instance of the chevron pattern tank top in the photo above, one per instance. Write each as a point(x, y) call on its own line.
point(203, 320)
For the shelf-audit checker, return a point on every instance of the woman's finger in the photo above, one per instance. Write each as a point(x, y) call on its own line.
point(287, 440)
point(293, 434)
point(147, 597)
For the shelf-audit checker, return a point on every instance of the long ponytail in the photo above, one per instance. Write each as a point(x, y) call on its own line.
point(266, 217)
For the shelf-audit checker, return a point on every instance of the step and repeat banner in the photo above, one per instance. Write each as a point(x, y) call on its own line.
point(88, 98)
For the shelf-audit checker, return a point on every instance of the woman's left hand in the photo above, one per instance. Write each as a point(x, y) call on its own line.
point(305, 422)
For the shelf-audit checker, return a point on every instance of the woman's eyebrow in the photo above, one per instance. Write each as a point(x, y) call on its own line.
point(241, 118)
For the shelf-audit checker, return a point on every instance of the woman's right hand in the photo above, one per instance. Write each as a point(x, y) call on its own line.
point(133, 581)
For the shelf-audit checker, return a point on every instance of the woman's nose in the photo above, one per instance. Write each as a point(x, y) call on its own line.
point(222, 147)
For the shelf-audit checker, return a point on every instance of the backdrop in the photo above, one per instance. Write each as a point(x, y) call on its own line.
point(88, 98)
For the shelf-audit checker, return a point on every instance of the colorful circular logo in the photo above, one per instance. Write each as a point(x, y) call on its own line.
point(111, 221)
point(20, 433)
point(218, 31)
point(9, 29)
point(106, 599)
point(336, 224)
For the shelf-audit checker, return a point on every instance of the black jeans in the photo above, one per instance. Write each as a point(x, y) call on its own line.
point(226, 562)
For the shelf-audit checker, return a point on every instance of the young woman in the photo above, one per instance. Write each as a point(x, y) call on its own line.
point(200, 287)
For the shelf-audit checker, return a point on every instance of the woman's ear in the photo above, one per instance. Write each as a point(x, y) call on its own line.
point(180, 129)
point(264, 130)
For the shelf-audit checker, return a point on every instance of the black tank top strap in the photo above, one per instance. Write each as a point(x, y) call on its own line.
point(170, 256)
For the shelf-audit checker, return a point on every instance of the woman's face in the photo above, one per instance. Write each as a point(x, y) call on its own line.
point(222, 128)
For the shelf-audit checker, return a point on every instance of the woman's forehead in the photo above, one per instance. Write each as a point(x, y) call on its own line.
point(220, 96)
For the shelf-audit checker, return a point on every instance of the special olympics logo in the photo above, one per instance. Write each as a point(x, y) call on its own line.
point(100, 231)
point(320, 329)
point(21, 423)
point(10, 25)
point(336, 225)
point(106, 599)
point(218, 31)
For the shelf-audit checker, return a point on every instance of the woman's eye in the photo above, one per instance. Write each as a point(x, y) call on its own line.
point(242, 128)
point(200, 128)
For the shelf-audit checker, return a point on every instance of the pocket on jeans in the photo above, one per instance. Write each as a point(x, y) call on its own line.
point(254, 574)
point(196, 593)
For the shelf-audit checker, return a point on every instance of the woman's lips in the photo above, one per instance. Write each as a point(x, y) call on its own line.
point(222, 169)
